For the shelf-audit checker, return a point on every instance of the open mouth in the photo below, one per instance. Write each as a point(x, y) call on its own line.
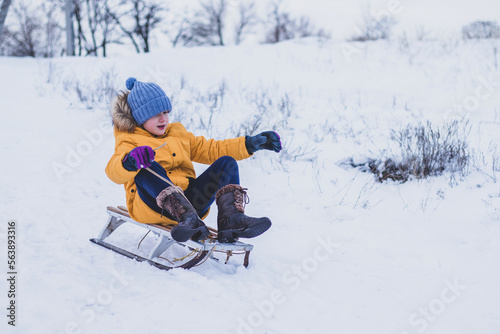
point(161, 127)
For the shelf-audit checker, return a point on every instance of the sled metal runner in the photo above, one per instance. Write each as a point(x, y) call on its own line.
point(200, 250)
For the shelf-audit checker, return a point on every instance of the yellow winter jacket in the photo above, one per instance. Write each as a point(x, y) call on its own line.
point(176, 157)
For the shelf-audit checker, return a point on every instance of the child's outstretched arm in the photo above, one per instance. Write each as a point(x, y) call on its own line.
point(207, 151)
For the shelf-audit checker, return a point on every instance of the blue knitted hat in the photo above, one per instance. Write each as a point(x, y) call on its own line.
point(146, 100)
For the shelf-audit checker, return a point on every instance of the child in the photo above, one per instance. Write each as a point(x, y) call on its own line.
point(153, 159)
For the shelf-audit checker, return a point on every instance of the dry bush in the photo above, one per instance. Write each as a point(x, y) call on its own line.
point(375, 29)
point(425, 151)
point(96, 93)
point(481, 29)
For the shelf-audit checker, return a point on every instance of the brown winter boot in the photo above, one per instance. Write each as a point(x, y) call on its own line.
point(231, 221)
point(189, 224)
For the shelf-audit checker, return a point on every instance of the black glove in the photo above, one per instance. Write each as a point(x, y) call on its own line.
point(268, 140)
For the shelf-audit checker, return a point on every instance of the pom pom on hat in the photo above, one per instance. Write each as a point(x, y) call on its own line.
point(130, 83)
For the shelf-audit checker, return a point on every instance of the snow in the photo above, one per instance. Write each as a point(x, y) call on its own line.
point(345, 254)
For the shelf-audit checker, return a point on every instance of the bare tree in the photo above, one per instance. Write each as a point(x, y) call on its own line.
point(117, 18)
point(78, 14)
point(3, 13)
point(304, 28)
point(108, 26)
point(215, 14)
point(145, 17)
point(25, 41)
point(100, 25)
point(247, 19)
point(93, 10)
point(282, 26)
point(52, 31)
point(182, 29)
point(95, 25)
point(207, 26)
point(35, 31)
point(70, 33)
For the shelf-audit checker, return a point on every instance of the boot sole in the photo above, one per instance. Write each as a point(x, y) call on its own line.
point(183, 234)
point(231, 236)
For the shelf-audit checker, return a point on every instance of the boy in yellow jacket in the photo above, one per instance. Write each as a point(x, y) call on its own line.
point(147, 144)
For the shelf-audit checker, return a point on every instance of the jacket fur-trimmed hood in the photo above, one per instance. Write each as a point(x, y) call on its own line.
point(122, 114)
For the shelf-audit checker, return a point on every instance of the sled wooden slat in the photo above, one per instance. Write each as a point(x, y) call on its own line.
point(124, 211)
point(202, 250)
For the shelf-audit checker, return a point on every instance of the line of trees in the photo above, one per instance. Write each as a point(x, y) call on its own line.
point(91, 26)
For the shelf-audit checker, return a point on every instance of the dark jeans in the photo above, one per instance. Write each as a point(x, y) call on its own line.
point(200, 192)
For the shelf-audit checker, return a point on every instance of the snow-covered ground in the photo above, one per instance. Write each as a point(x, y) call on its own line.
point(346, 254)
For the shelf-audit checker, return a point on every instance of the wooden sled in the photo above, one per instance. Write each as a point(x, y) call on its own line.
point(200, 251)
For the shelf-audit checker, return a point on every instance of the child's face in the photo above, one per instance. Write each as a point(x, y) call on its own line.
point(157, 124)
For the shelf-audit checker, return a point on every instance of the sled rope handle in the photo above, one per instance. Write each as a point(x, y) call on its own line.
point(144, 237)
point(206, 258)
point(193, 252)
point(164, 179)
point(168, 182)
point(160, 177)
point(165, 143)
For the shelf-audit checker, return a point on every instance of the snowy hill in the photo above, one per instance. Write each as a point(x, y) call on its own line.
point(346, 254)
